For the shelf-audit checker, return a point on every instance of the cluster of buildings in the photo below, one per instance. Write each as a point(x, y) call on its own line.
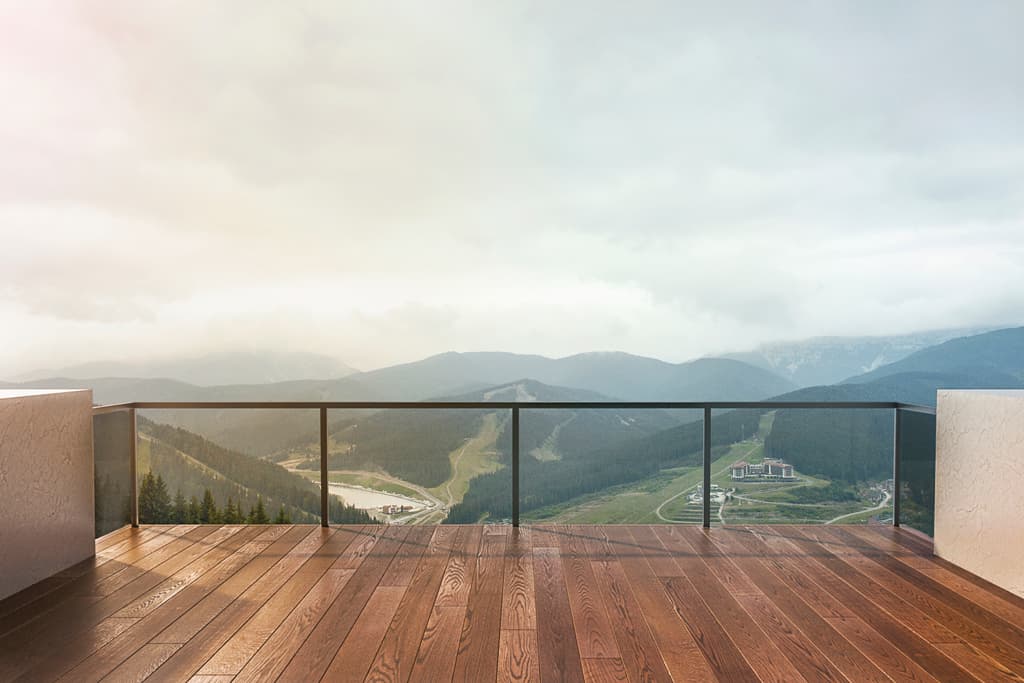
point(770, 468)
point(395, 509)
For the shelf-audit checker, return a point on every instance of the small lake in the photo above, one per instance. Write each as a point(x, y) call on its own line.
point(365, 499)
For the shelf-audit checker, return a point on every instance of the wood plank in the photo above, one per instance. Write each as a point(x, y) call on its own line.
point(181, 617)
point(404, 565)
point(279, 542)
point(873, 645)
point(30, 647)
point(517, 656)
point(979, 594)
point(479, 641)
point(841, 652)
point(397, 653)
point(869, 604)
point(356, 654)
point(557, 650)
point(316, 652)
point(99, 661)
point(594, 635)
point(924, 547)
point(439, 646)
point(296, 572)
point(758, 648)
point(140, 560)
point(683, 658)
point(722, 655)
point(640, 653)
point(928, 616)
point(680, 603)
point(801, 651)
point(112, 537)
point(23, 613)
point(108, 548)
point(455, 583)
point(275, 654)
point(604, 670)
point(435, 660)
point(518, 605)
point(951, 607)
point(240, 629)
point(144, 662)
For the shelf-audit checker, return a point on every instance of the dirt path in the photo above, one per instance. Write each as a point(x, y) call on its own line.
point(657, 510)
point(455, 475)
point(885, 501)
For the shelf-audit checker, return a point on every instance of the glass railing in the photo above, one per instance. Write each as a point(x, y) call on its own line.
point(509, 461)
point(916, 448)
point(112, 439)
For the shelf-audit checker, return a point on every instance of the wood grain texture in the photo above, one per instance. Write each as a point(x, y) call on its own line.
point(557, 648)
point(545, 603)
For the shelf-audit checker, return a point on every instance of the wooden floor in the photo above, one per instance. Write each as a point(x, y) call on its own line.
point(544, 603)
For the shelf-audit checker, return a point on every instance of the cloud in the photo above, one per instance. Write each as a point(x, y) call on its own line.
point(380, 182)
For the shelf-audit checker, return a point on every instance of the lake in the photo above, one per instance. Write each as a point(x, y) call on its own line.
point(366, 499)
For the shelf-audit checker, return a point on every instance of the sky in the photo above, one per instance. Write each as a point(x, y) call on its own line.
point(379, 182)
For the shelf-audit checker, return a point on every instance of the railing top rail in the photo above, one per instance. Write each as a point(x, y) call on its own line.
point(508, 405)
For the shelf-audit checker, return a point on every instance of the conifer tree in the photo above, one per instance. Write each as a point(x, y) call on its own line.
point(208, 513)
point(154, 500)
point(259, 513)
point(180, 508)
point(193, 511)
point(232, 515)
point(282, 517)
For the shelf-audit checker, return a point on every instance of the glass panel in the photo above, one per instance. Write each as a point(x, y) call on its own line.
point(611, 466)
point(424, 466)
point(917, 471)
point(815, 466)
point(228, 467)
point(111, 433)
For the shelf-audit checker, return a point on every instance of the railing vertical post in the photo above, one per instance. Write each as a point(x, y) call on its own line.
point(707, 468)
point(515, 467)
point(324, 490)
point(897, 437)
point(133, 468)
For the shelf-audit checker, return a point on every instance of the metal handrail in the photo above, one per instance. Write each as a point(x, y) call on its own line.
point(514, 406)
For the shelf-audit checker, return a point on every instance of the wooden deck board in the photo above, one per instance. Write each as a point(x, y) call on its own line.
point(544, 603)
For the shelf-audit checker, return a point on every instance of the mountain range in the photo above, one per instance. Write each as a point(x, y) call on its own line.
point(576, 451)
point(213, 369)
point(827, 360)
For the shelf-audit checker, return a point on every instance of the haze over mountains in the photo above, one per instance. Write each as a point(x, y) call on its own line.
point(827, 360)
point(213, 369)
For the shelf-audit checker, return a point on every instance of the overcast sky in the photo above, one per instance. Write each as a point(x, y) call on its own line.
point(383, 181)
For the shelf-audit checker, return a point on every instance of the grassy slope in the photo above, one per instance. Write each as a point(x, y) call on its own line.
point(477, 456)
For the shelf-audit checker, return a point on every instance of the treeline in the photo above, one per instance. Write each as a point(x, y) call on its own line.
point(554, 482)
point(157, 507)
point(587, 430)
point(243, 479)
point(850, 445)
point(410, 444)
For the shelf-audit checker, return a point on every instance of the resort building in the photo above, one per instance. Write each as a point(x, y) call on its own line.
point(769, 468)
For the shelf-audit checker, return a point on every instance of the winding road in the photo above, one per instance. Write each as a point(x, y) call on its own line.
point(657, 510)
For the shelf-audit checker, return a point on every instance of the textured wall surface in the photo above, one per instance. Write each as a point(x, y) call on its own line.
point(46, 485)
point(979, 484)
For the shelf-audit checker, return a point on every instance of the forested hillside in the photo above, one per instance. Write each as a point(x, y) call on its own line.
point(415, 444)
point(585, 471)
point(855, 445)
point(192, 464)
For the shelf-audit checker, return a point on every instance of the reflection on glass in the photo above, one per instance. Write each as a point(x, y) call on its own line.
point(111, 442)
point(917, 471)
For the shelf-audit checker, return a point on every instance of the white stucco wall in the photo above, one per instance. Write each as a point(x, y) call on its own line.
point(979, 484)
point(46, 484)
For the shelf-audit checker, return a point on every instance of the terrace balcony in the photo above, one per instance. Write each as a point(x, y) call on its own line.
point(522, 600)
